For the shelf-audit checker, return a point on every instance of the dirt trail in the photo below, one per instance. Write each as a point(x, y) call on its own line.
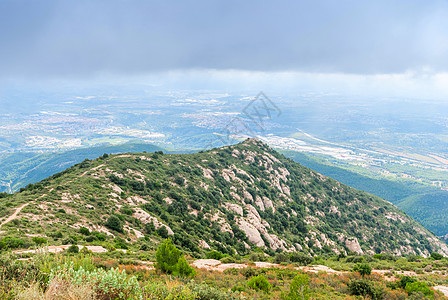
point(92, 169)
point(216, 265)
point(14, 215)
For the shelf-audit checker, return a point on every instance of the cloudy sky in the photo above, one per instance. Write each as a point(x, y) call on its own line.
point(396, 43)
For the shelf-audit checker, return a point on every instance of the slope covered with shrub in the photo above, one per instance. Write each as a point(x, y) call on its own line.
point(230, 199)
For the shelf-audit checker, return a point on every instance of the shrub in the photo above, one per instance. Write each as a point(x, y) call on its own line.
point(162, 232)
point(362, 269)
point(228, 260)
point(39, 240)
point(120, 243)
point(171, 261)
point(281, 258)
point(149, 228)
point(161, 291)
point(416, 287)
point(214, 255)
point(361, 287)
point(114, 223)
point(259, 283)
point(257, 256)
point(405, 280)
point(298, 288)
point(11, 243)
point(300, 258)
point(84, 231)
point(73, 249)
point(436, 256)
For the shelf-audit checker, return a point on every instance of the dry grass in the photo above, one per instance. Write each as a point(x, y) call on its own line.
point(57, 290)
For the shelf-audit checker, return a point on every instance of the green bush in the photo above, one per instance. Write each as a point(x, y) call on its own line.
point(281, 258)
point(171, 261)
point(73, 249)
point(405, 280)
point(39, 240)
point(298, 289)
point(114, 223)
point(300, 258)
point(436, 256)
point(361, 287)
point(149, 228)
point(214, 255)
point(418, 287)
point(363, 269)
point(84, 231)
point(259, 283)
point(162, 232)
point(11, 243)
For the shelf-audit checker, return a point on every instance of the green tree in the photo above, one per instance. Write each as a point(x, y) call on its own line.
point(149, 228)
point(162, 232)
point(73, 249)
point(298, 289)
point(405, 280)
point(363, 269)
point(84, 231)
point(301, 258)
point(171, 261)
point(436, 256)
point(39, 240)
point(114, 223)
point(416, 287)
point(361, 287)
point(259, 283)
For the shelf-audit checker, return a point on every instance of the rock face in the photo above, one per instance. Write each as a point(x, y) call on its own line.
point(145, 218)
point(352, 244)
point(231, 199)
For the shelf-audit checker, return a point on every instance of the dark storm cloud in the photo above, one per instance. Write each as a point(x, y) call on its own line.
point(82, 38)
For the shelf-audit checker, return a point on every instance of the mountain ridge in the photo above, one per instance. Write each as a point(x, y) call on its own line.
point(230, 199)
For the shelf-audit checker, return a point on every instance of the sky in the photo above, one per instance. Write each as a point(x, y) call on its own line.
point(396, 46)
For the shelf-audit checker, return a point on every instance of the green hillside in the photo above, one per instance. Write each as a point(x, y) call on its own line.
point(231, 199)
point(428, 205)
point(23, 168)
point(430, 209)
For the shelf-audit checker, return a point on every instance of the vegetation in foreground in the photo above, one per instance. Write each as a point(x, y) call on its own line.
point(118, 275)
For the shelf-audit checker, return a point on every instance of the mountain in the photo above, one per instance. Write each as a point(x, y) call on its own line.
point(21, 168)
point(426, 204)
point(229, 199)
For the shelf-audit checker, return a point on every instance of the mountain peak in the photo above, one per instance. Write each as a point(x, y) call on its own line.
point(230, 199)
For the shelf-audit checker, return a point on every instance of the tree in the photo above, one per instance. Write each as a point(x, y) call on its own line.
point(73, 249)
point(39, 240)
point(171, 261)
point(300, 258)
point(259, 283)
point(281, 258)
point(162, 232)
point(114, 223)
point(84, 231)
point(298, 288)
point(149, 228)
point(436, 256)
point(363, 269)
point(405, 280)
point(418, 286)
point(361, 287)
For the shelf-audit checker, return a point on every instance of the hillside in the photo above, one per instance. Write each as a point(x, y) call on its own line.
point(426, 204)
point(22, 168)
point(229, 199)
